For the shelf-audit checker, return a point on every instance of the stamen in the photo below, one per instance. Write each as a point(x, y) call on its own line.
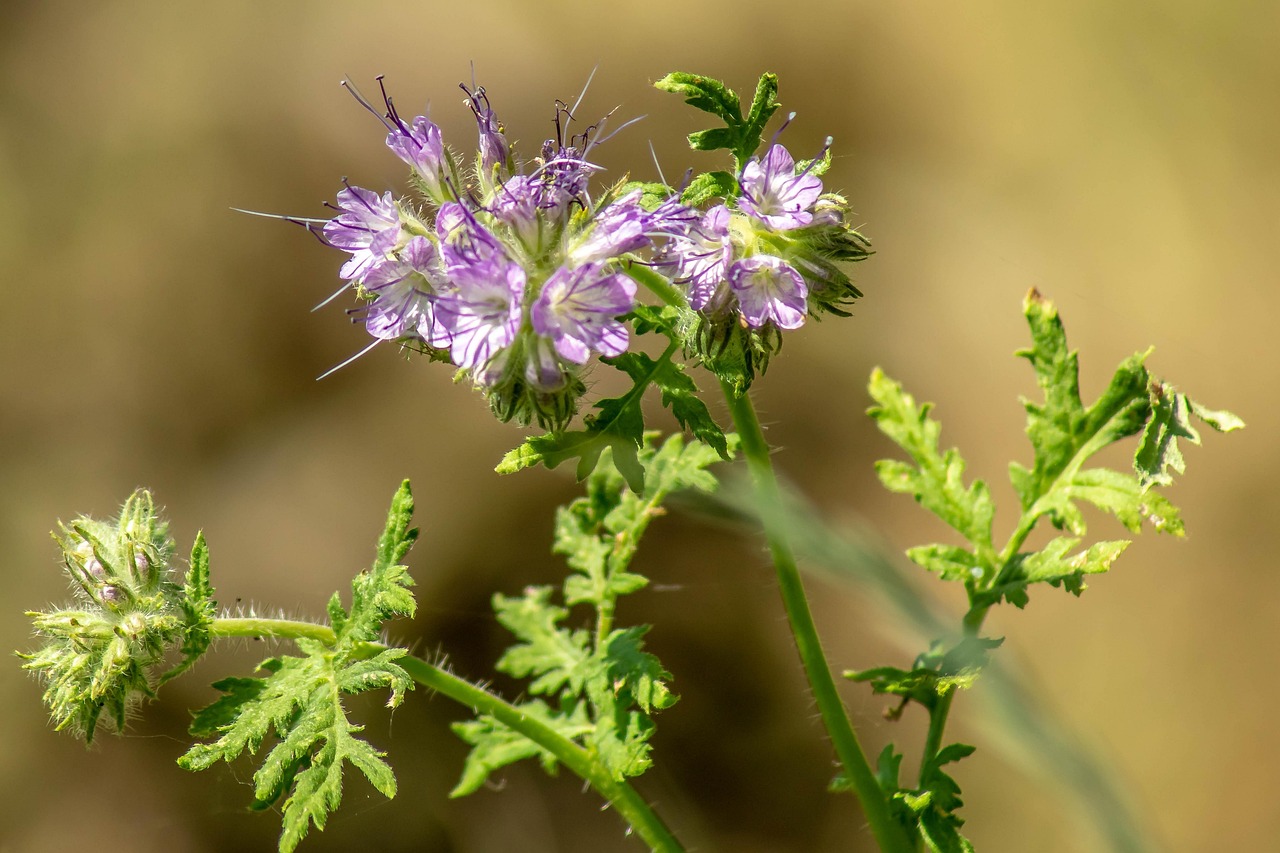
point(578, 102)
point(364, 102)
point(774, 140)
point(656, 165)
point(333, 370)
point(391, 108)
point(332, 297)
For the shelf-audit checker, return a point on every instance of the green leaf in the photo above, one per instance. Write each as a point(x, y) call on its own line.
point(704, 93)
point(709, 185)
point(679, 394)
point(1063, 433)
point(298, 702)
point(763, 105)
point(495, 746)
point(619, 425)
point(1052, 565)
point(948, 562)
point(1121, 495)
point(937, 479)
point(740, 136)
point(556, 656)
point(1170, 420)
point(198, 609)
point(635, 676)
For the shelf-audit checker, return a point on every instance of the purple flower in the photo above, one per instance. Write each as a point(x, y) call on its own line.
point(578, 311)
point(701, 260)
point(494, 150)
point(480, 314)
point(464, 241)
point(421, 146)
point(367, 227)
point(769, 289)
point(773, 193)
point(616, 230)
point(403, 288)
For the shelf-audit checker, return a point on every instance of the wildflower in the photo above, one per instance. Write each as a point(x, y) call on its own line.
point(403, 288)
point(367, 226)
point(578, 308)
point(773, 193)
point(769, 290)
point(701, 260)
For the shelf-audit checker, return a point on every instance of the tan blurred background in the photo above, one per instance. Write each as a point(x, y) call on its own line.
point(1121, 157)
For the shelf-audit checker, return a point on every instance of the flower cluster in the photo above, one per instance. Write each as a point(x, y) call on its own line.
point(766, 258)
point(98, 655)
point(511, 271)
point(515, 273)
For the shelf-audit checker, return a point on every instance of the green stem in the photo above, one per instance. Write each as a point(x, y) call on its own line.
point(890, 835)
point(933, 739)
point(657, 283)
point(618, 793)
point(973, 626)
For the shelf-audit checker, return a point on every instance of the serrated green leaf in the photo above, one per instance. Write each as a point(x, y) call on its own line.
point(1122, 495)
point(888, 767)
point(495, 746)
point(1170, 420)
point(298, 702)
point(704, 93)
point(948, 561)
point(763, 105)
point(198, 609)
point(556, 656)
point(1052, 565)
point(937, 478)
point(629, 668)
point(707, 186)
point(714, 138)
point(679, 394)
point(1063, 433)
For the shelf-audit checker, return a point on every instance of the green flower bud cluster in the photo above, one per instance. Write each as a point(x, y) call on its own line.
point(98, 655)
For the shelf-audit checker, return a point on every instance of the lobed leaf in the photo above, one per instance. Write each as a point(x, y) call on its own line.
point(937, 478)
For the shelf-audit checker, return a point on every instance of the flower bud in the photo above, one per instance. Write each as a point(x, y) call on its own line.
point(97, 659)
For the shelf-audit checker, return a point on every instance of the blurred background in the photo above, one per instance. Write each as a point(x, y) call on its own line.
point(1122, 158)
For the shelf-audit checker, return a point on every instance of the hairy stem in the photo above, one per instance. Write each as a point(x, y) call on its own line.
point(658, 284)
point(890, 835)
point(618, 793)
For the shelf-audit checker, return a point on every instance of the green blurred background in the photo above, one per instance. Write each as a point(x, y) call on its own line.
point(1121, 157)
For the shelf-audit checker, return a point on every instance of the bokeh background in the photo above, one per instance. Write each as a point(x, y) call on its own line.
point(1120, 157)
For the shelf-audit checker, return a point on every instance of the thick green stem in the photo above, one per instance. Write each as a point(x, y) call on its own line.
point(618, 793)
point(887, 831)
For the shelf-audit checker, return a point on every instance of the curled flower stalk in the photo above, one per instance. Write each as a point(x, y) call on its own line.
point(100, 655)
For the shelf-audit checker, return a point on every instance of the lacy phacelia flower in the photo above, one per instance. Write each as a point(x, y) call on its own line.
point(578, 310)
point(511, 269)
point(775, 194)
point(403, 287)
point(367, 226)
point(769, 290)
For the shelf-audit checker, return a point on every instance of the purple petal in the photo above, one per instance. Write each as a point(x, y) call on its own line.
point(769, 289)
point(578, 310)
